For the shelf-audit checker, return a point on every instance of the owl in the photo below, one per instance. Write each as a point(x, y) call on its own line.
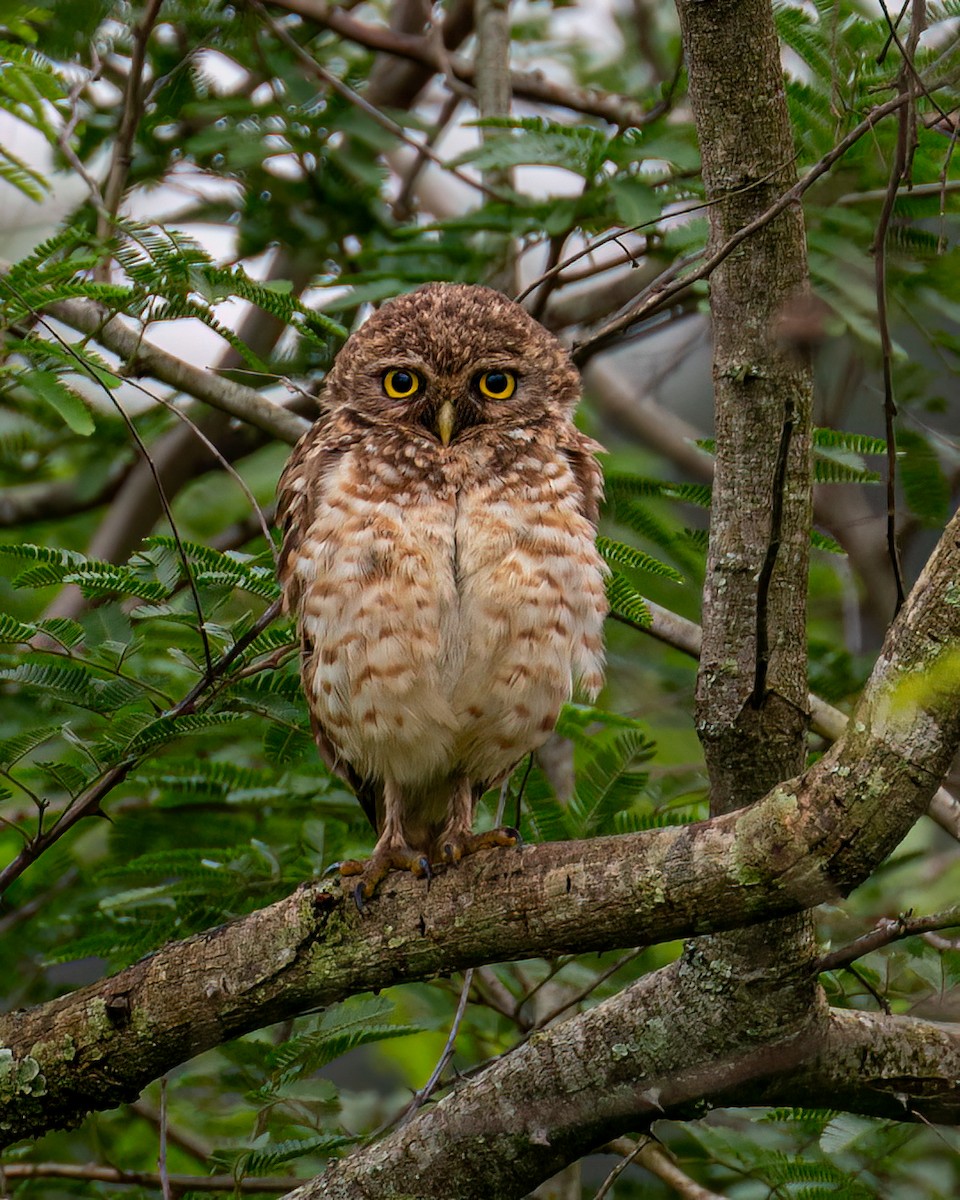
point(439, 556)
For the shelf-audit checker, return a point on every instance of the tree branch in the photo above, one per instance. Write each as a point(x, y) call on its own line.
point(886, 931)
point(806, 842)
point(60, 498)
point(139, 357)
point(647, 1053)
point(92, 1173)
point(671, 282)
point(829, 722)
point(526, 85)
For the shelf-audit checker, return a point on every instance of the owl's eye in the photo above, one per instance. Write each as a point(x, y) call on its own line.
point(401, 384)
point(497, 385)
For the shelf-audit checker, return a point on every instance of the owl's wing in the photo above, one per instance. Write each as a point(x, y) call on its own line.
point(580, 452)
point(299, 492)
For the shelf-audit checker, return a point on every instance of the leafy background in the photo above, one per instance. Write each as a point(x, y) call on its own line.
point(203, 795)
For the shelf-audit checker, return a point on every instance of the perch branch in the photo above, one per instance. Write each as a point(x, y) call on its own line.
point(808, 841)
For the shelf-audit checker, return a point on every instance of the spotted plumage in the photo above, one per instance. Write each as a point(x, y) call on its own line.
point(439, 556)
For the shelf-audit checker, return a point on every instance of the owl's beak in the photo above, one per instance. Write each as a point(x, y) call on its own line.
point(446, 421)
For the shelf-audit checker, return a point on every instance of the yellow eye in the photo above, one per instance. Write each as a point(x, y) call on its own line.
point(497, 385)
point(401, 384)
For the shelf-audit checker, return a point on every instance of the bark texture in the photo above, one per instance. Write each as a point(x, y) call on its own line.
point(662, 1048)
point(752, 687)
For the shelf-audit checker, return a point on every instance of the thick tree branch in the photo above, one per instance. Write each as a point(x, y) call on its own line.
point(657, 1049)
point(806, 842)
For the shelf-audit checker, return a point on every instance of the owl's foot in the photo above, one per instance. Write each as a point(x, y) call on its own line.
point(459, 845)
point(376, 868)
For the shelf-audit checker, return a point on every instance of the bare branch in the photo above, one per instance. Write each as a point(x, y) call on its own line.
point(648, 1153)
point(527, 85)
point(92, 1173)
point(827, 721)
point(130, 113)
point(888, 930)
point(61, 498)
point(672, 282)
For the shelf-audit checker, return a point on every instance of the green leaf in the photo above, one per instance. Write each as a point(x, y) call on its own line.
point(823, 541)
point(635, 202)
point(626, 601)
point(63, 399)
point(283, 745)
point(12, 630)
point(855, 443)
point(12, 749)
point(629, 556)
point(924, 484)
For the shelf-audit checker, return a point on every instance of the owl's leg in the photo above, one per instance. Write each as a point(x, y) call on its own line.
point(391, 853)
point(458, 839)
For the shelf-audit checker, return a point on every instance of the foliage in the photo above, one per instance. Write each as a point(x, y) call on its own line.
point(162, 684)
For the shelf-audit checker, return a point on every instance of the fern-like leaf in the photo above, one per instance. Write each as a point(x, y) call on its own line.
point(628, 556)
point(626, 602)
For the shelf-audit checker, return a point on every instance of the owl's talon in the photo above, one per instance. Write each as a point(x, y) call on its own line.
point(383, 860)
point(462, 844)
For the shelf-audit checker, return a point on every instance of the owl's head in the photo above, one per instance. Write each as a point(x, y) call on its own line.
point(447, 360)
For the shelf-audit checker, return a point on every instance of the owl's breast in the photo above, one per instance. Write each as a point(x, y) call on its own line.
point(446, 620)
point(378, 614)
point(532, 602)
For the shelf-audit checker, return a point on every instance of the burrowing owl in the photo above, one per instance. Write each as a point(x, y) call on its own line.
point(439, 555)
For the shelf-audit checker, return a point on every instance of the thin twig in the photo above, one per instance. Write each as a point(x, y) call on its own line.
point(653, 1157)
point(148, 458)
point(402, 205)
point(358, 101)
point(898, 171)
point(130, 114)
point(667, 286)
point(617, 234)
point(619, 1169)
point(881, 1000)
point(424, 1094)
point(88, 802)
point(770, 558)
point(258, 513)
point(246, 404)
point(527, 85)
point(183, 1183)
point(585, 992)
point(673, 630)
point(162, 1156)
point(887, 930)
